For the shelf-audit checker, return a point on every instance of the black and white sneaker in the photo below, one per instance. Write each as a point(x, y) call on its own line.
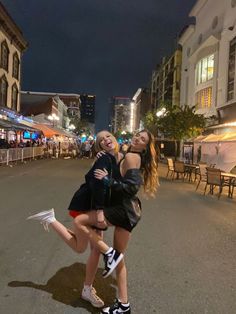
point(111, 259)
point(117, 308)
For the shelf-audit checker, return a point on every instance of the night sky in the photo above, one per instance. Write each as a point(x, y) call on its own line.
point(102, 47)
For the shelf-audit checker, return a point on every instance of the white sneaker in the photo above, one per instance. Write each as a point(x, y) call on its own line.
point(45, 218)
point(89, 294)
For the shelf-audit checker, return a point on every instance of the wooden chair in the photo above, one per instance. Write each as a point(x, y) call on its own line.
point(202, 174)
point(170, 165)
point(214, 179)
point(179, 169)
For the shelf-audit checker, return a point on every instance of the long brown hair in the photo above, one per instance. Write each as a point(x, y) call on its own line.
point(149, 166)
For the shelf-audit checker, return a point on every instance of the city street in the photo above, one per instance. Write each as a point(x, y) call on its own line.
point(181, 258)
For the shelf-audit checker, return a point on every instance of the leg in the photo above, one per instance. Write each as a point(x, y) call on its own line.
point(78, 242)
point(83, 225)
point(92, 264)
point(89, 293)
point(121, 239)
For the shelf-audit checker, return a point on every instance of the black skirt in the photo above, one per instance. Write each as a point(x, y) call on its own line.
point(81, 200)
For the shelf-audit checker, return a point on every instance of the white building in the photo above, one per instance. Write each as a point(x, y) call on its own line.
point(208, 60)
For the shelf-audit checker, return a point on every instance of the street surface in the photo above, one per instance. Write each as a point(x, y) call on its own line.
point(181, 258)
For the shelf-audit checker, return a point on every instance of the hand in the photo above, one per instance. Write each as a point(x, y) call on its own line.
point(101, 225)
point(100, 154)
point(100, 174)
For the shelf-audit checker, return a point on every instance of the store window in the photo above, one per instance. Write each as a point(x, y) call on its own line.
point(205, 70)
point(14, 97)
point(204, 98)
point(231, 70)
point(16, 65)
point(3, 91)
point(4, 55)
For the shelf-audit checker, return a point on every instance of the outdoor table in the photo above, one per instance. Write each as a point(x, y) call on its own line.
point(191, 168)
point(230, 176)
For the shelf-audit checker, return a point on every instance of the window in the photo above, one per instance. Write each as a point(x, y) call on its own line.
point(3, 91)
point(14, 97)
point(204, 98)
point(4, 55)
point(205, 69)
point(16, 64)
point(231, 70)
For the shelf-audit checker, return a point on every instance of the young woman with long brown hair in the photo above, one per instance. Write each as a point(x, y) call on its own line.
point(138, 167)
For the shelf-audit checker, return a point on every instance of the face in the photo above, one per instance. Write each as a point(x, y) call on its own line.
point(139, 141)
point(107, 141)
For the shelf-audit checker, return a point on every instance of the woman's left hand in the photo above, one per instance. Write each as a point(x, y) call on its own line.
point(100, 174)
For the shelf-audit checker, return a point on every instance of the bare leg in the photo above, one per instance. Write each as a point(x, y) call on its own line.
point(92, 265)
point(82, 225)
point(121, 239)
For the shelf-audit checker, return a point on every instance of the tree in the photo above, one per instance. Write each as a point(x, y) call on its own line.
point(177, 123)
point(81, 126)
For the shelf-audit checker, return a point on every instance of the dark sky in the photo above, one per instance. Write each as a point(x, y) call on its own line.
point(103, 47)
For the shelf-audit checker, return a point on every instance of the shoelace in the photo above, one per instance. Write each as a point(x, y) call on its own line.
point(115, 305)
point(94, 294)
point(45, 225)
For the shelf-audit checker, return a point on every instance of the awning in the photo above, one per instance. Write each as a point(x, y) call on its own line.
point(15, 126)
point(47, 131)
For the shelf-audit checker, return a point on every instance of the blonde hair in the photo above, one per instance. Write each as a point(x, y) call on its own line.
point(99, 138)
point(149, 166)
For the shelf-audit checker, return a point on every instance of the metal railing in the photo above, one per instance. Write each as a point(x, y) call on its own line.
point(19, 154)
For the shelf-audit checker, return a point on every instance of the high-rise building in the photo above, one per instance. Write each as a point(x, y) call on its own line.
point(87, 109)
point(121, 114)
point(165, 86)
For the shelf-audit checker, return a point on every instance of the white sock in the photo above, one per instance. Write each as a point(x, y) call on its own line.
point(125, 304)
point(87, 286)
point(109, 251)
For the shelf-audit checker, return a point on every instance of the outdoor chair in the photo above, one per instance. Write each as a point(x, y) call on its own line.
point(214, 179)
point(170, 165)
point(202, 174)
point(179, 169)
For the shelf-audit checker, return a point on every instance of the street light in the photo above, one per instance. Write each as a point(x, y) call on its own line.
point(53, 117)
point(71, 127)
point(161, 112)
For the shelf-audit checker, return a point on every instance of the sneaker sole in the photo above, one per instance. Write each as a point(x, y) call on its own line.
point(115, 265)
point(93, 304)
point(38, 215)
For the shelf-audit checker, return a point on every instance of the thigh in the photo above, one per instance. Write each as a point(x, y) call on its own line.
point(121, 239)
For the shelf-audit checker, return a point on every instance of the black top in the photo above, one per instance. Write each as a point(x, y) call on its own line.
point(93, 194)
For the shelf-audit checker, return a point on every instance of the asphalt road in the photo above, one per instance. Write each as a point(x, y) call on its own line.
point(181, 258)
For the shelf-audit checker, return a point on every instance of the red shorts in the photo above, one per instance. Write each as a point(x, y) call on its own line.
point(74, 213)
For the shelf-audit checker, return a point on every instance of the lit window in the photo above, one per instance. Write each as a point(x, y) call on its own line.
point(204, 98)
point(205, 69)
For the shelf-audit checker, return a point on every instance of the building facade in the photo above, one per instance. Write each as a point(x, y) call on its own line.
point(165, 85)
point(122, 114)
point(41, 106)
point(12, 46)
point(87, 109)
point(208, 63)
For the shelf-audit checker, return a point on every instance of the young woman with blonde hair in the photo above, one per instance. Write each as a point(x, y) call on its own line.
point(138, 167)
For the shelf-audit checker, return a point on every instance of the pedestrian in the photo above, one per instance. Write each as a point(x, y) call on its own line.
point(90, 196)
point(122, 213)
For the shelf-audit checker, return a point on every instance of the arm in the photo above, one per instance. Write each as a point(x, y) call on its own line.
point(132, 179)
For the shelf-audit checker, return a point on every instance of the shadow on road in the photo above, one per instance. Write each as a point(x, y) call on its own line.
point(66, 286)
